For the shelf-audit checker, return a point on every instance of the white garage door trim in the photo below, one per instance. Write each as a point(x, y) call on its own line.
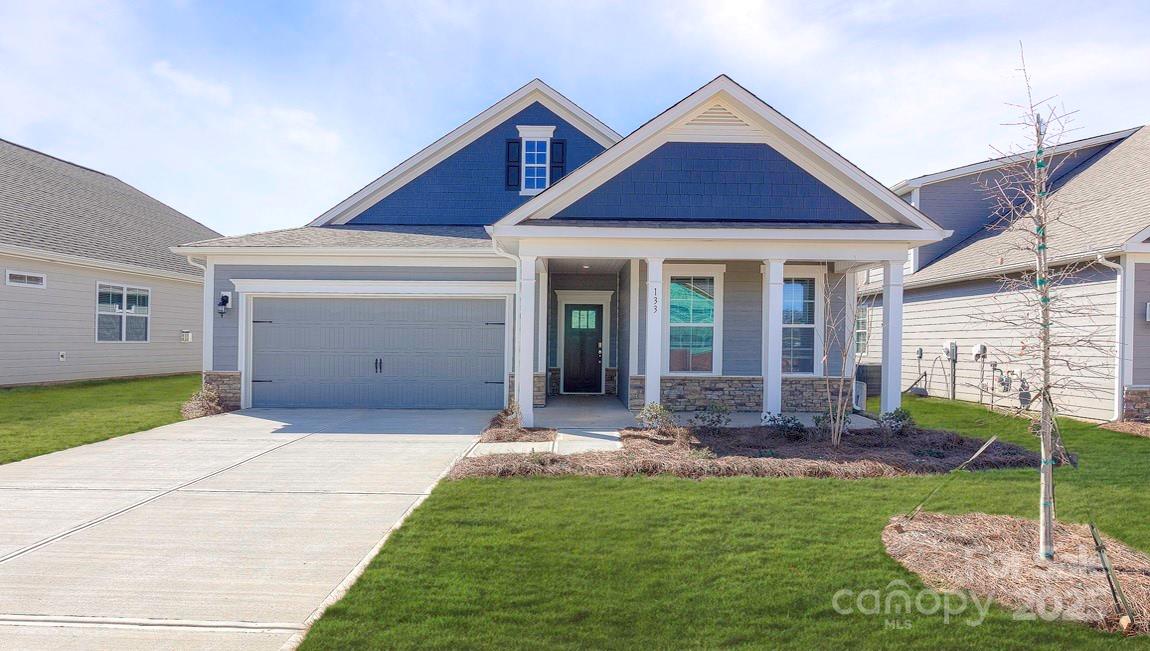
point(249, 289)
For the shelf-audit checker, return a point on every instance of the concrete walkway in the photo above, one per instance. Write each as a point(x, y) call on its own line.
point(226, 532)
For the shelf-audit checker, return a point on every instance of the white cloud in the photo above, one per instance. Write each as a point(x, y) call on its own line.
point(191, 85)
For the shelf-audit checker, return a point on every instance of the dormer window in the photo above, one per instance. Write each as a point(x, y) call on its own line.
point(536, 161)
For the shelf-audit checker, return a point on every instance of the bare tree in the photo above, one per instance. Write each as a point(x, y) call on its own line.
point(1054, 326)
point(840, 345)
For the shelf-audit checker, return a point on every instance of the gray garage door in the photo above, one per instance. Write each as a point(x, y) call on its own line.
point(378, 353)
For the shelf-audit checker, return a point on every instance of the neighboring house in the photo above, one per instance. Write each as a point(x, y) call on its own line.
point(953, 288)
point(535, 247)
point(90, 287)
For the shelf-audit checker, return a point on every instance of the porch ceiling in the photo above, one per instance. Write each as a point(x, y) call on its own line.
point(585, 266)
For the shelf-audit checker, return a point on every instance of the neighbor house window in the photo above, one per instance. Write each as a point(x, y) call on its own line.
point(535, 165)
point(693, 327)
point(122, 312)
point(26, 279)
point(862, 330)
point(798, 325)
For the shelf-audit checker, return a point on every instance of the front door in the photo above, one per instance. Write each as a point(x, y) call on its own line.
point(582, 348)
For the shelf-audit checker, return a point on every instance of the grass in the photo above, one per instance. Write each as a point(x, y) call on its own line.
point(673, 563)
point(42, 419)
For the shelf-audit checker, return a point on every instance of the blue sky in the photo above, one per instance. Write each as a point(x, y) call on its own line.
point(260, 115)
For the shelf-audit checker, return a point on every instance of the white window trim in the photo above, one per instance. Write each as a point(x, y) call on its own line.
point(716, 271)
point(544, 134)
point(123, 314)
point(817, 273)
point(10, 272)
point(581, 297)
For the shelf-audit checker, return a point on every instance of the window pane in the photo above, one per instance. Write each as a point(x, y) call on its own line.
point(798, 350)
point(691, 349)
point(799, 301)
point(137, 301)
point(110, 299)
point(137, 328)
point(108, 327)
point(693, 300)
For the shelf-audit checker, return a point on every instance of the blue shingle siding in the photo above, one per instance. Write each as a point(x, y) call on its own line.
point(715, 181)
point(470, 187)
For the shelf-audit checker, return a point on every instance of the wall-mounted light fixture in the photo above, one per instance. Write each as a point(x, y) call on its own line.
point(224, 303)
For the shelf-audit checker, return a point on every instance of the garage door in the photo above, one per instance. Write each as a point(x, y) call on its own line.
point(378, 353)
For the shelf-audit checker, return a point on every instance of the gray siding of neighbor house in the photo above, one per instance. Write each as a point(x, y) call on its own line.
point(581, 282)
point(225, 331)
point(965, 312)
point(36, 325)
point(743, 316)
point(1141, 340)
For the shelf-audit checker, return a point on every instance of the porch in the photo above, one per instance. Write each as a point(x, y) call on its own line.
point(759, 336)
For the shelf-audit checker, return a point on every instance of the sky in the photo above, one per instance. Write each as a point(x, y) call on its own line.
point(251, 115)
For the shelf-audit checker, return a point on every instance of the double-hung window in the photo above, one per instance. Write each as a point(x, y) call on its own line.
point(535, 165)
point(694, 321)
point(122, 313)
point(538, 161)
point(862, 330)
point(799, 336)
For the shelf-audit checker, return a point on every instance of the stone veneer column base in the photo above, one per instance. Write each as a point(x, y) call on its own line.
point(539, 388)
point(226, 384)
point(739, 393)
point(1136, 404)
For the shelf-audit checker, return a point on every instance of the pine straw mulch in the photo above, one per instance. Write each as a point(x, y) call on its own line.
point(505, 427)
point(994, 556)
point(755, 452)
point(1128, 427)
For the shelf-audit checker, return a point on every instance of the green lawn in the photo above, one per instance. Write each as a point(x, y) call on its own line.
point(673, 563)
point(39, 420)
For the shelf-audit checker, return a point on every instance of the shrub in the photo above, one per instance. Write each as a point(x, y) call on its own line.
point(790, 427)
point(896, 423)
point(825, 421)
point(715, 416)
point(205, 402)
point(656, 417)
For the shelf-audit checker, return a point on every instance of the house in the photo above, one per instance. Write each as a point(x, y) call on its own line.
point(535, 251)
point(90, 286)
point(954, 290)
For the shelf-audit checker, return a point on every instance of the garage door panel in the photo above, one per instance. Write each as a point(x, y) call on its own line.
point(434, 353)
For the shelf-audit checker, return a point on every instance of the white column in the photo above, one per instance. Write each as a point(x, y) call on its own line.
point(773, 336)
point(654, 371)
point(525, 342)
point(891, 336)
point(541, 350)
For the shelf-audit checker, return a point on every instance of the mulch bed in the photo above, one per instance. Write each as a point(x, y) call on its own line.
point(505, 428)
point(1128, 427)
point(994, 556)
point(756, 452)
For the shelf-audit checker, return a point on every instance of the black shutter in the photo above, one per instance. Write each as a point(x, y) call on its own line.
point(558, 159)
point(513, 148)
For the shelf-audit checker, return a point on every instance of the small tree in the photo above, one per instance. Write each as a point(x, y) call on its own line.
point(1055, 327)
point(841, 346)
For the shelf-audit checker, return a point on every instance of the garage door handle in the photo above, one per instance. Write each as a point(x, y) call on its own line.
point(378, 364)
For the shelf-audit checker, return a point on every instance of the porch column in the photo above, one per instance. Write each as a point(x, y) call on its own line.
point(525, 342)
point(541, 325)
point(654, 372)
point(891, 336)
point(772, 336)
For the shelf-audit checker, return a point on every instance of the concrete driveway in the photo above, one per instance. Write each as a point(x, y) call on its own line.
point(232, 531)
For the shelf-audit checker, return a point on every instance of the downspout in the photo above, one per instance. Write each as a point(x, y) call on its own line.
point(1120, 300)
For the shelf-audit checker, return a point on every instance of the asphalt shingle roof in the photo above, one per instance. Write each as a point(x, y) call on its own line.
point(56, 206)
point(1103, 205)
point(361, 236)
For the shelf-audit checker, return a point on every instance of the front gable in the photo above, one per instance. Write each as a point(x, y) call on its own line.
point(719, 155)
point(715, 181)
point(469, 186)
